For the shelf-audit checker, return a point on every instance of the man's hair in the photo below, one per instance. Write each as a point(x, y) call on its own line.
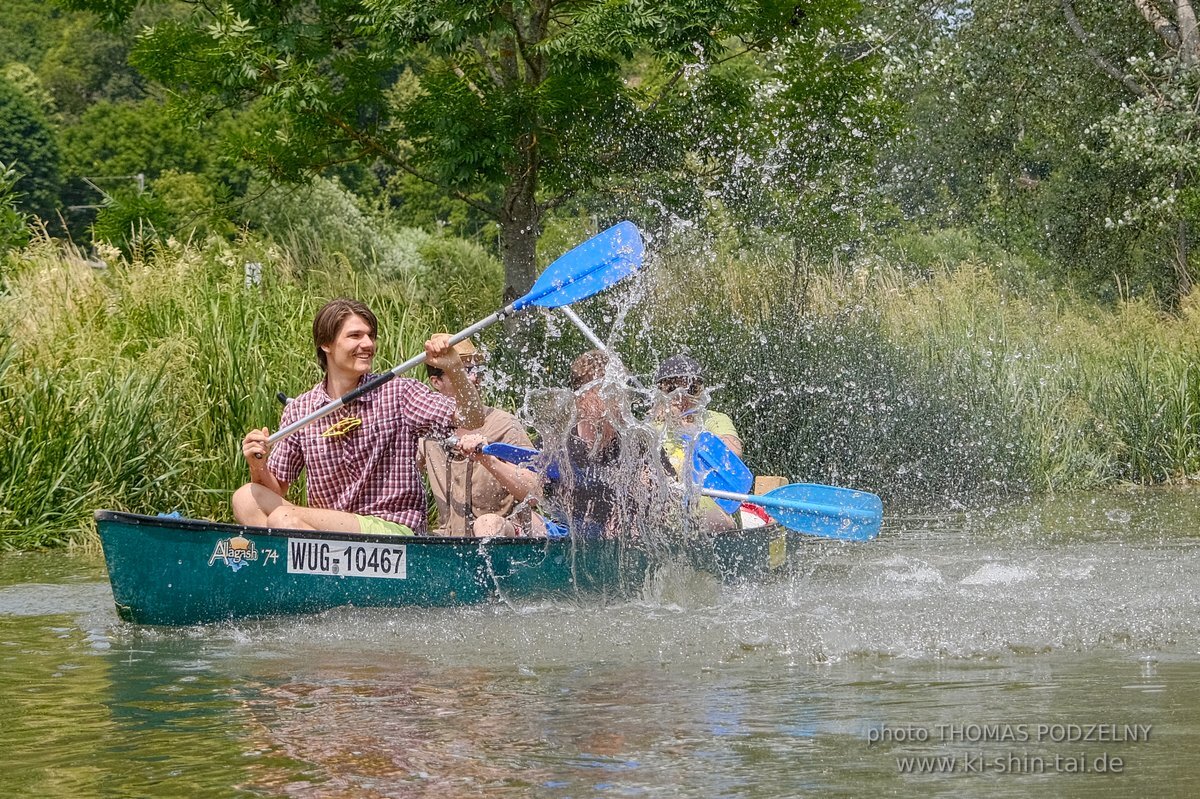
point(329, 320)
point(588, 368)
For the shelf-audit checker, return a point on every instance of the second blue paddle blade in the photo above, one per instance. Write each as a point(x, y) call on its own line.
point(521, 456)
point(827, 511)
point(717, 466)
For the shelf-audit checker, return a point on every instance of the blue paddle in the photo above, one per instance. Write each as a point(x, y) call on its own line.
point(825, 511)
point(521, 456)
point(716, 466)
point(600, 262)
point(817, 510)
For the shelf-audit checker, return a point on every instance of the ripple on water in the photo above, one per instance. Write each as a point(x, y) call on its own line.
point(998, 574)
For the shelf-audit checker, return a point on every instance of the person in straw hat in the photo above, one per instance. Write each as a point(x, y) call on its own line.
point(470, 500)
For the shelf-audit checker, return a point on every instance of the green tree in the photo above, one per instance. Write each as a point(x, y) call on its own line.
point(1060, 130)
point(27, 28)
point(27, 140)
point(1155, 133)
point(799, 154)
point(114, 142)
point(86, 65)
point(509, 107)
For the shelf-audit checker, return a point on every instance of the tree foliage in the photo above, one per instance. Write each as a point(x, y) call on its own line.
point(27, 144)
point(1062, 128)
point(509, 107)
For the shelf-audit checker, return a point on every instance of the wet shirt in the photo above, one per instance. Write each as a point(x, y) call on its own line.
point(472, 489)
point(601, 489)
point(714, 422)
point(589, 496)
point(372, 469)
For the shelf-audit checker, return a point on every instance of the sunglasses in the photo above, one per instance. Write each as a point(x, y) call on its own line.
point(669, 386)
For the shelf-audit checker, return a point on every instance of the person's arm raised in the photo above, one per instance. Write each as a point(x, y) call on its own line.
point(440, 353)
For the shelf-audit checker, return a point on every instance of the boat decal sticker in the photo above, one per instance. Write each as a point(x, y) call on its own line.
point(347, 558)
point(234, 552)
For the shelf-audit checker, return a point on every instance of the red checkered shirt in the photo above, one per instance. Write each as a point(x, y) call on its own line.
point(371, 471)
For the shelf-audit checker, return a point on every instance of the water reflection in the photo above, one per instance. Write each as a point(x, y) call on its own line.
point(1082, 611)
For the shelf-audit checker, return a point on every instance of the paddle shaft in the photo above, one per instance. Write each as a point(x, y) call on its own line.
point(807, 507)
point(591, 336)
point(380, 379)
point(591, 267)
point(587, 332)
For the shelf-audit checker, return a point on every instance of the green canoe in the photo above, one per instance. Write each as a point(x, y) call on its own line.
point(174, 571)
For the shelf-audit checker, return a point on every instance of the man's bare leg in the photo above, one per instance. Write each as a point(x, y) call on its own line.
point(257, 506)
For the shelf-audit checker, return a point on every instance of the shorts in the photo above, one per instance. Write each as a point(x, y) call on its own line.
point(377, 526)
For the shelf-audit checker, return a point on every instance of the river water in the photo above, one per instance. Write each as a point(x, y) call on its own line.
point(1040, 649)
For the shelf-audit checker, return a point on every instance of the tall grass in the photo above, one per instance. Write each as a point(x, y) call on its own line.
point(131, 387)
point(932, 378)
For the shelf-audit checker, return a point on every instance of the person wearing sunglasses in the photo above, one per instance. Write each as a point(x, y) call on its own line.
point(361, 460)
point(682, 413)
point(464, 492)
point(605, 483)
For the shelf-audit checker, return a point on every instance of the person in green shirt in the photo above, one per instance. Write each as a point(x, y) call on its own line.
point(683, 413)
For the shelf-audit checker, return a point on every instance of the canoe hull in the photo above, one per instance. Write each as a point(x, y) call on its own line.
point(169, 571)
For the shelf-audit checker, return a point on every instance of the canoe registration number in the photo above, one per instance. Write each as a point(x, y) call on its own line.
point(347, 558)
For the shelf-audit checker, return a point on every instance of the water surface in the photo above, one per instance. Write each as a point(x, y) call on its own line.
point(952, 636)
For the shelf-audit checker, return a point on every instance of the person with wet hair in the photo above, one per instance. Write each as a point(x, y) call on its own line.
point(606, 477)
point(470, 500)
point(683, 413)
point(360, 460)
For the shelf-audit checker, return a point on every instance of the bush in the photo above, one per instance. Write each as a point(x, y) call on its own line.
point(27, 139)
point(14, 230)
point(132, 219)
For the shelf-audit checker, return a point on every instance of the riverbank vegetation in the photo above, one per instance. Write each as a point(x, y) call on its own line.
point(131, 386)
point(913, 262)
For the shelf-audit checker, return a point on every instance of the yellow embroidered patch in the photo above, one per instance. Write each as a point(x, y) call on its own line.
point(342, 426)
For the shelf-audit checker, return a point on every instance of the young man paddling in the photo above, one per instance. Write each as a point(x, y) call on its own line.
point(361, 460)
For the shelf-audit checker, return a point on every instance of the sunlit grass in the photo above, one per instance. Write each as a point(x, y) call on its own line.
point(131, 387)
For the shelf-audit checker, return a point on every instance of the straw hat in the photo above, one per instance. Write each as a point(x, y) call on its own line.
point(467, 352)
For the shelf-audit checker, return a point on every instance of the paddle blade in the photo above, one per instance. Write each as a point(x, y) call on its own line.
point(521, 456)
point(825, 511)
point(510, 453)
point(602, 261)
point(715, 465)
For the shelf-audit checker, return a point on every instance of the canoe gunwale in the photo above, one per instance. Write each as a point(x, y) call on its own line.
point(227, 529)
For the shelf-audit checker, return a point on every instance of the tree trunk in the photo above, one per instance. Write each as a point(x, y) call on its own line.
point(520, 226)
point(1189, 39)
point(1182, 261)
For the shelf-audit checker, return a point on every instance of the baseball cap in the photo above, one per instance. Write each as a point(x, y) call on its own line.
point(678, 366)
